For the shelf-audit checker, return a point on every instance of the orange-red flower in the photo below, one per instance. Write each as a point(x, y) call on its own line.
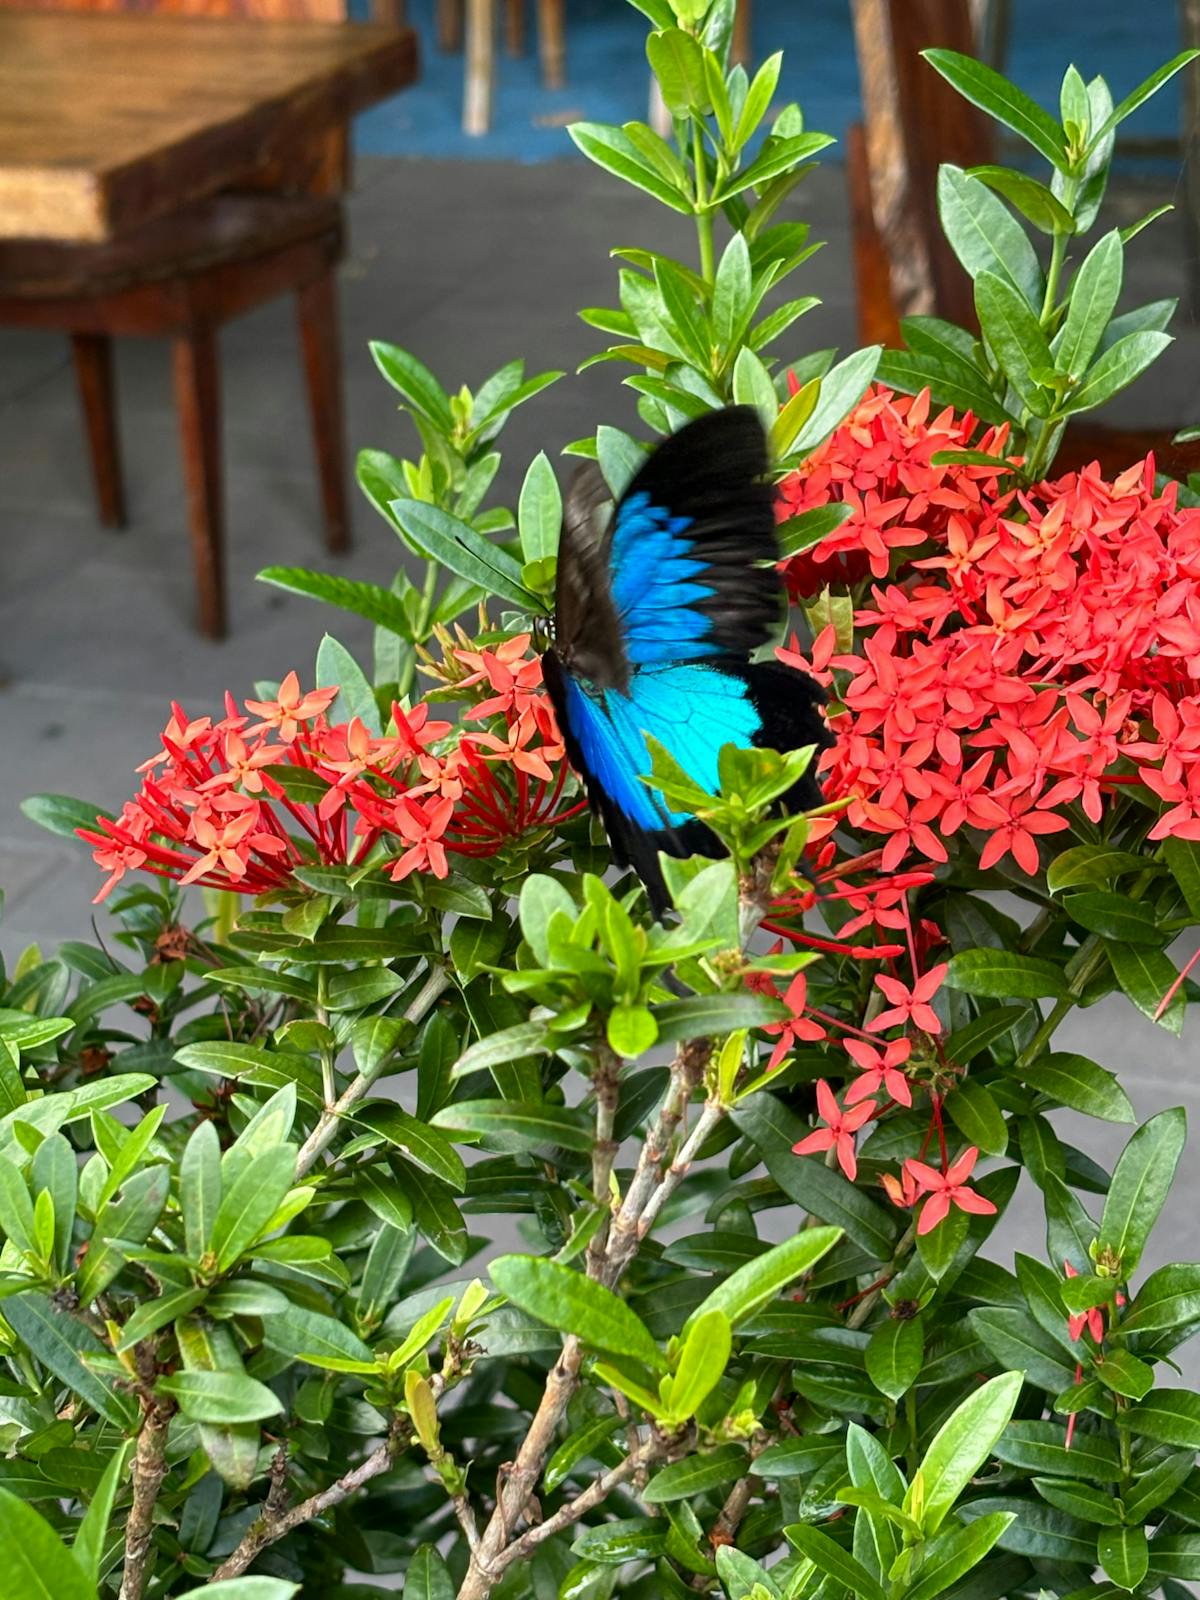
point(946, 1189)
point(839, 1130)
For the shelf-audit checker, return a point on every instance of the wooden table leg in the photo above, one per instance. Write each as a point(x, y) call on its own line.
point(94, 375)
point(323, 371)
point(740, 45)
point(449, 24)
point(480, 66)
point(198, 399)
point(514, 27)
point(552, 43)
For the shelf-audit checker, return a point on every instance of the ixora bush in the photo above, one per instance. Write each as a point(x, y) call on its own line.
point(258, 1324)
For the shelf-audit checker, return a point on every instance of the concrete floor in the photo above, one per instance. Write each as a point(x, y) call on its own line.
point(468, 266)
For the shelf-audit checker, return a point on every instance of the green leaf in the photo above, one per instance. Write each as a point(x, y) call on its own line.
point(1041, 1447)
point(760, 1281)
point(63, 1346)
point(249, 1204)
point(1002, 974)
point(961, 1445)
point(419, 1142)
point(977, 1117)
point(356, 698)
point(126, 1220)
point(842, 387)
point(731, 291)
point(956, 1552)
point(1016, 1340)
point(612, 149)
point(1090, 866)
point(1113, 916)
point(416, 383)
point(752, 386)
point(1138, 96)
point(1119, 365)
point(62, 813)
point(1094, 295)
point(699, 1015)
point(984, 235)
point(321, 1341)
point(508, 1044)
point(1140, 1184)
point(436, 1214)
point(1124, 1555)
point(965, 1043)
point(568, 1301)
point(1146, 976)
point(953, 383)
point(702, 1361)
point(697, 1474)
point(993, 93)
point(225, 1397)
point(824, 1553)
point(677, 61)
point(894, 1356)
point(35, 1562)
point(1080, 1500)
point(428, 1577)
point(1170, 1416)
point(631, 1030)
point(810, 527)
point(516, 1125)
point(1169, 1298)
point(581, 1444)
point(92, 1533)
point(1033, 200)
point(16, 1208)
point(380, 606)
point(758, 99)
point(1075, 1081)
point(444, 538)
point(539, 510)
point(1183, 859)
point(1012, 329)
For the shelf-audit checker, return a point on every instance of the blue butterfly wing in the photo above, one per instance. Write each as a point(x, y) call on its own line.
point(655, 624)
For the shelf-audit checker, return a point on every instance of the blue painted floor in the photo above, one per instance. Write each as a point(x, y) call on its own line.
point(608, 76)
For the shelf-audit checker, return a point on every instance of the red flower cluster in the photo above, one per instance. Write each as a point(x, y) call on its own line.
point(1021, 652)
point(230, 804)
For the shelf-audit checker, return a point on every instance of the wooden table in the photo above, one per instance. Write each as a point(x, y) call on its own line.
point(108, 120)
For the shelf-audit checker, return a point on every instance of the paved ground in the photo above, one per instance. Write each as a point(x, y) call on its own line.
point(467, 265)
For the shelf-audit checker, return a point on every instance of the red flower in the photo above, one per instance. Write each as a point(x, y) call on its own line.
point(798, 1027)
point(946, 1189)
point(1092, 1319)
point(910, 1005)
point(422, 827)
point(879, 1070)
point(841, 1126)
point(290, 709)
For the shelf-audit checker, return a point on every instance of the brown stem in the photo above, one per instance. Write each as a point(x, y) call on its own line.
point(275, 1522)
point(606, 1082)
point(149, 1470)
point(322, 1135)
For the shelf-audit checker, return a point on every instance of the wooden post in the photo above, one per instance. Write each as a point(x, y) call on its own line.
point(552, 43)
point(480, 66)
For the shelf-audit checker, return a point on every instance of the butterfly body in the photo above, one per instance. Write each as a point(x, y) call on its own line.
point(657, 616)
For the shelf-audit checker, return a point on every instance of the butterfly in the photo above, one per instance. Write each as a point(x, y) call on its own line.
point(657, 613)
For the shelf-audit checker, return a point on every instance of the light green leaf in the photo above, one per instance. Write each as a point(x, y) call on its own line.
point(1094, 295)
point(760, 1281)
point(960, 1447)
point(568, 1301)
point(35, 1562)
point(993, 93)
point(1140, 1184)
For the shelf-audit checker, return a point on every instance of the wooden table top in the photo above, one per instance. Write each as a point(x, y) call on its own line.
point(109, 119)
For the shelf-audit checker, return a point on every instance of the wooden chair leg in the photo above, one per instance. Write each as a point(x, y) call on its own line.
point(514, 27)
point(480, 66)
point(94, 375)
point(449, 24)
point(552, 43)
point(323, 371)
point(198, 400)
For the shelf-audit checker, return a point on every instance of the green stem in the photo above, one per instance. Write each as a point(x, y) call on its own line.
point(704, 224)
point(328, 1083)
point(1058, 254)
